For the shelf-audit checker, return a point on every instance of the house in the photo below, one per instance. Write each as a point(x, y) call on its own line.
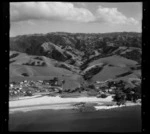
point(113, 88)
point(110, 90)
point(96, 87)
point(21, 83)
point(53, 82)
point(39, 81)
point(56, 90)
point(46, 81)
point(15, 92)
point(60, 88)
point(101, 92)
point(11, 85)
point(99, 82)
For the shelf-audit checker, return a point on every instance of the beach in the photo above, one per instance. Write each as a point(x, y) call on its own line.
point(56, 103)
point(48, 102)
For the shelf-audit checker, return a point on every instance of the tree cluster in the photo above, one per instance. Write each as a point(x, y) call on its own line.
point(123, 94)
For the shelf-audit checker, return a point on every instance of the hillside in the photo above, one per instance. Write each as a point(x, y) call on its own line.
point(78, 45)
point(25, 67)
point(111, 67)
point(79, 58)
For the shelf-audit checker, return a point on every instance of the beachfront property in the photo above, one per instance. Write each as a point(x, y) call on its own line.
point(53, 87)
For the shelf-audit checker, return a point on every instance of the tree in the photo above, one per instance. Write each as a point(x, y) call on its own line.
point(62, 82)
point(25, 74)
point(55, 78)
point(43, 64)
point(103, 96)
point(110, 83)
point(120, 97)
point(32, 63)
point(28, 93)
point(91, 86)
point(136, 96)
point(121, 83)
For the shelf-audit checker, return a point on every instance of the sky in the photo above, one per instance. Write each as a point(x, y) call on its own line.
point(74, 17)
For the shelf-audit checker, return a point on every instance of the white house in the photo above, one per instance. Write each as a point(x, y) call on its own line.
point(11, 85)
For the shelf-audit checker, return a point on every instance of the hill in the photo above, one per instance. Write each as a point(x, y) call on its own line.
point(76, 57)
point(22, 69)
point(111, 67)
point(81, 46)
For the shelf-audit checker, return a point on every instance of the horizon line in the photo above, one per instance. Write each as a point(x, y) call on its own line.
point(72, 33)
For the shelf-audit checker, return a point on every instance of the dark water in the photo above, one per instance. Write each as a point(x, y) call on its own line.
point(125, 119)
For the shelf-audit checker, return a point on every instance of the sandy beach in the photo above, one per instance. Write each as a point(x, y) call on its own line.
point(56, 103)
point(55, 100)
point(47, 102)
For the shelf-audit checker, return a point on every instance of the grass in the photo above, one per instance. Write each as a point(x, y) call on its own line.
point(70, 95)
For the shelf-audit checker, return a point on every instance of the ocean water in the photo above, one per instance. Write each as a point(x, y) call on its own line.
point(124, 119)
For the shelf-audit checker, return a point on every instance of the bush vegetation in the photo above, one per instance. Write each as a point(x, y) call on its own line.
point(123, 94)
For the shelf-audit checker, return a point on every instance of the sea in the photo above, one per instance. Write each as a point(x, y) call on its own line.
point(122, 119)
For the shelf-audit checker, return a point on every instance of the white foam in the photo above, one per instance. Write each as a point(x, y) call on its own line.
point(115, 106)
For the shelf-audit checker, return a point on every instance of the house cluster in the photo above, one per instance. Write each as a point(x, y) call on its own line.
point(26, 87)
point(111, 86)
point(105, 87)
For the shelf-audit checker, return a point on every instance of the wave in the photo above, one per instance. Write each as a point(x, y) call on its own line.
point(115, 106)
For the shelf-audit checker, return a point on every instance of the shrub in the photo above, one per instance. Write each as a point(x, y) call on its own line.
point(28, 93)
point(88, 74)
point(124, 74)
point(32, 63)
point(38, 58)
point(25, 74)
point(12, 61)
point(92, 93)
point(43, 64)
point(64, 66)
point(91, 86)
point(55, 78)
point(136, 96)
point(72, 62)
point(103, 95)
point(14, 55)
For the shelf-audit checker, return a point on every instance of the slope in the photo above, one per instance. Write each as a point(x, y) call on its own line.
point(34, 72)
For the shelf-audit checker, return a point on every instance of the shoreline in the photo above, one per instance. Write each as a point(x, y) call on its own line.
point(58, 103)
point(67, 106)
point(55, 100)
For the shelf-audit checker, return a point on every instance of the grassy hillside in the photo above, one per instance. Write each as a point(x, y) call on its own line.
point(34, 72)
point(115, 67)
point(75, 57)
point(77, 45)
